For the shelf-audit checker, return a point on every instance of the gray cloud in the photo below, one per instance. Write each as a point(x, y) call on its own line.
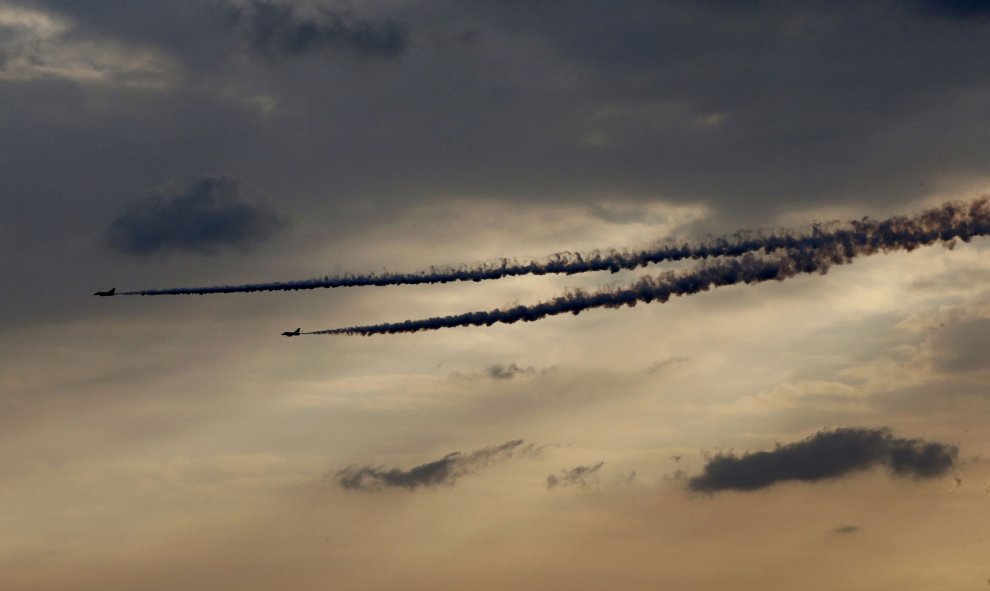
point(444, 471)
point(507, 372)
point(750, 111)
point(664, 364)
point(957, 9)
point(581, 476)
point(275, 30)
point(202, 217)
point(962, 346)
point(826, 455)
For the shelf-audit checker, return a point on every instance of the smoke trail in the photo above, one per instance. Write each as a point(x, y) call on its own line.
point(948, 223)
point(567, 262)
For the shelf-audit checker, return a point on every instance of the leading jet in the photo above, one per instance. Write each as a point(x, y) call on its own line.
point(291, 333)
point(107, 293)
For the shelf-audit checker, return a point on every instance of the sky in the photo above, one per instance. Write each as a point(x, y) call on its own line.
point(821, 431)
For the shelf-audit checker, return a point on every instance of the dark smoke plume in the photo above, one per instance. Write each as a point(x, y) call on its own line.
point(826, 455)
point(444, 471)
point(826, 235)
point(945, 224)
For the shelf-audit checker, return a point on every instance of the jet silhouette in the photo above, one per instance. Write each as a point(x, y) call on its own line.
point(291, 333)
point(104, 294)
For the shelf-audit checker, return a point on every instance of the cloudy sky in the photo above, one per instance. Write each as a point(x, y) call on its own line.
point(823, 432)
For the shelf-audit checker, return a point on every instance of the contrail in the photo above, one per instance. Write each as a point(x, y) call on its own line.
point(946, 224)
point(565, 263)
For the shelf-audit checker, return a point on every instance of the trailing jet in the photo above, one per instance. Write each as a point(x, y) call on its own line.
point(107, 293)
point(291, 333)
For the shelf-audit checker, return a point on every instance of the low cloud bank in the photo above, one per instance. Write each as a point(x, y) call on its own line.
point(823, 456)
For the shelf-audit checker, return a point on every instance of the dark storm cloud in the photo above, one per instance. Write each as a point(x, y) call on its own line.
point(752, 111)
point(274, 30)
point(578, 476)
point(444, 471)
point(201, 217)
point(743, 104)
point(957, 9)
point(823, 456)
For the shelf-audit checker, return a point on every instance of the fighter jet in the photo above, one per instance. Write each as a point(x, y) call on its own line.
point(107, 293)
point(291, 333)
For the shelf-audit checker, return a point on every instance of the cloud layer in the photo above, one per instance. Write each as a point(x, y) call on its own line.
point(275, 30)
point(202, 217)
point(826, 455)
point(502, 128)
